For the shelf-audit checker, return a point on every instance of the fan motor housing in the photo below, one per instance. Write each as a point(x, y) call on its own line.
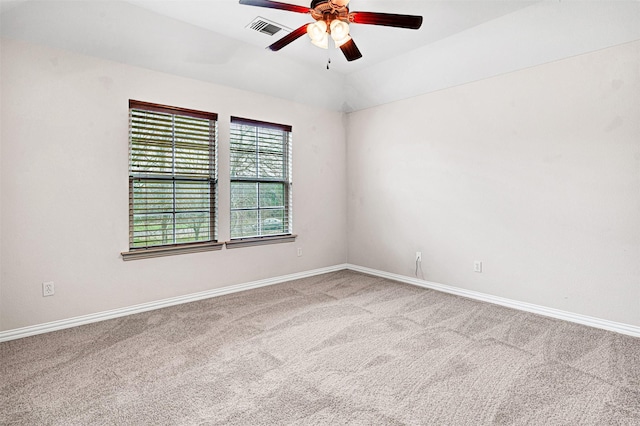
point(314, 3)
point(324, 10)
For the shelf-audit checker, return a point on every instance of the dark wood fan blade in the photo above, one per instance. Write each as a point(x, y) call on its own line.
point(276, 5)
point(411, 22)
point(351, 51)
point(294, 35)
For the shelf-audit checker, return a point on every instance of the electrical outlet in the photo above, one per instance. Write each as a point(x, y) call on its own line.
point(418, 256)
point(48, 289)
point(299, 251)
point(477, 266)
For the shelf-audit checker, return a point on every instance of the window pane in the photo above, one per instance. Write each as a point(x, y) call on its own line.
point(244, 195)
point(192, 161)
point(192, 153)
point(244, 223)
point(151, 142)
point(272, 195)
point(243, 137)
point(152, 229)
point(192, 196)
point(192, 227)
point(273, 221)
point(271, 166)
point(271, 140)
point(243, 164)
point(152, 197)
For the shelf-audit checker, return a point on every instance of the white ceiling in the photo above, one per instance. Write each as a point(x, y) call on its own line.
point(460, 41)
point(441, 19)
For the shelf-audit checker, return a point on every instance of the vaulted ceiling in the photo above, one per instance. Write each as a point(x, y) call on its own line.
point(209, 40)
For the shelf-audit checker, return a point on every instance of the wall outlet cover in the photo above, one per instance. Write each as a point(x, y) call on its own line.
point(48, 289)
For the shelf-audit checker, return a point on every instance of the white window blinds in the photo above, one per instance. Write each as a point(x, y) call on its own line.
point(172, 175)
point(260, 178)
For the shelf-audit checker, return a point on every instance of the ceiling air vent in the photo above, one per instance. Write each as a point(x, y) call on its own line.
point(265, 26)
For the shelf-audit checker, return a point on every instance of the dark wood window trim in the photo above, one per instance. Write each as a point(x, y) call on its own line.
point(172, 110)
point(266, 124)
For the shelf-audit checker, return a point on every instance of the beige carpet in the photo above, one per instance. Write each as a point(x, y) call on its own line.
point(341, 348)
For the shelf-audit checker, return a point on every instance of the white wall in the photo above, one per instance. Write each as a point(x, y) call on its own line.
point(538, 34)
point(64, 187)
point(535, 173)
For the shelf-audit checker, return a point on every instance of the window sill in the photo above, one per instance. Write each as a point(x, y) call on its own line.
point(148, 253)
point(259, 241)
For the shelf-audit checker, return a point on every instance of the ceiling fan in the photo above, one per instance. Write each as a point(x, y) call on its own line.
point(332, 19)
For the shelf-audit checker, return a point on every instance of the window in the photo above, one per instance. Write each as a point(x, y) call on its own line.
point(260, 179)
point(172, 176)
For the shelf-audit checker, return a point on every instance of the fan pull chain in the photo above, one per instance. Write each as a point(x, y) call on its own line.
point(328, 58)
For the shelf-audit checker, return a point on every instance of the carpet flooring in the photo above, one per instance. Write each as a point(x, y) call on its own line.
point(340, 349)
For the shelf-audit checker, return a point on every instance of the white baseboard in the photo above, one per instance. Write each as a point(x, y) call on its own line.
point(628, 329)
point(617, 327)
point(19, 333)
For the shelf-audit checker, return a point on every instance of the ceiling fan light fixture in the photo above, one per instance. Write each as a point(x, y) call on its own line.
point(322, 43)
point(318, 34)
point(340, 32)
